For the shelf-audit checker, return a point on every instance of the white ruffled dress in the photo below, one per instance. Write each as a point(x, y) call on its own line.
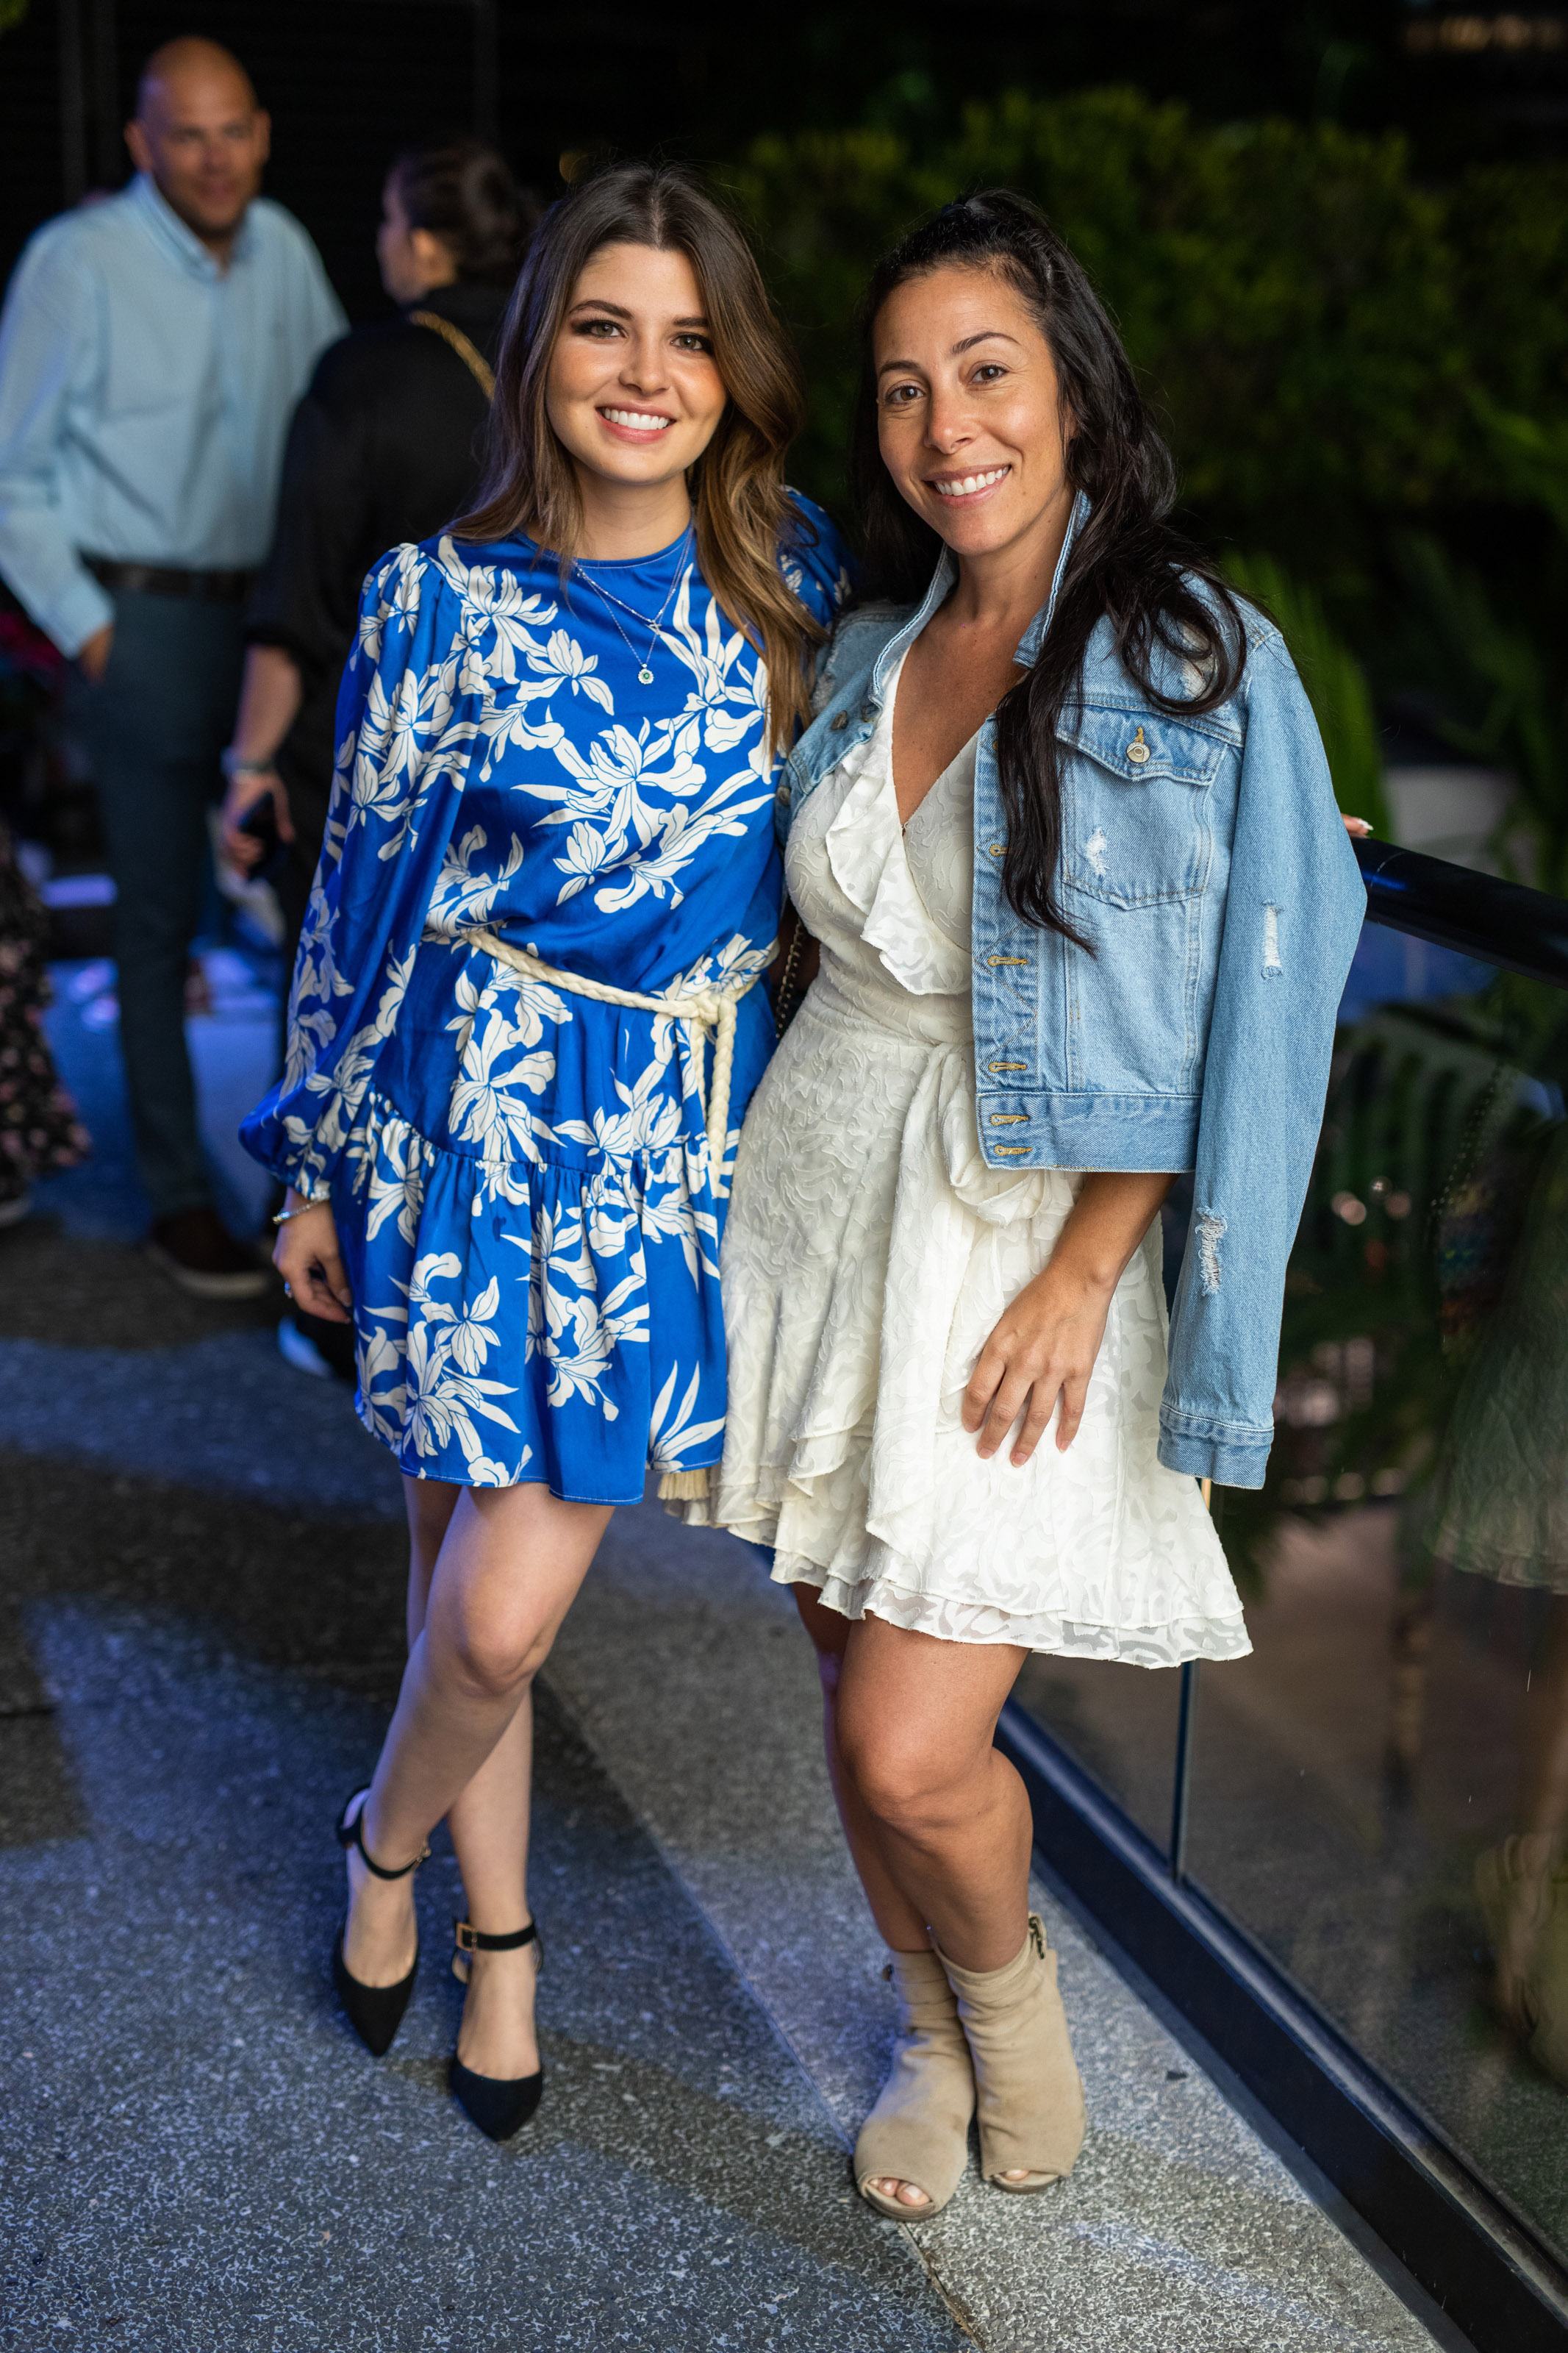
point(868, 1254)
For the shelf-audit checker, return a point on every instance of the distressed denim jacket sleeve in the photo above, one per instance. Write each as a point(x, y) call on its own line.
point(1293, 914)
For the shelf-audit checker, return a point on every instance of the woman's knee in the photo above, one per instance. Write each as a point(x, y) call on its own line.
point(910, 1783)
point(492, 1658)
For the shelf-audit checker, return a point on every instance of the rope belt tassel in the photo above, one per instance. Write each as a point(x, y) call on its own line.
point(699, 1011)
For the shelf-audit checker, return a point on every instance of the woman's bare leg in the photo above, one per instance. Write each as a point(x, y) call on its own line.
point(493, 1572)
point(489, 1826)
point(937, 1819)
point(916, 1722)
point(902, 1927)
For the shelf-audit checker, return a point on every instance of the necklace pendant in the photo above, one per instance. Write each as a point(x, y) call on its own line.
point(645, 676)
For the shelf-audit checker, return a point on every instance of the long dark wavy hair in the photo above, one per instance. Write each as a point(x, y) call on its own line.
point(1129, 565)
point(741, 513)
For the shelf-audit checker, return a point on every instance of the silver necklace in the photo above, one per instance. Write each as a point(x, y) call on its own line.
point(645, 672)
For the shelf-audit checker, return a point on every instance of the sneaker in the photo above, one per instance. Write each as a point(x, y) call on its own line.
point(198, 1252)
point(313, 1345)
point(297, 1349)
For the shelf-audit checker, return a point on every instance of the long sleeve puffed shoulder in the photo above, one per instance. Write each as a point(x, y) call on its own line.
point(412, 704)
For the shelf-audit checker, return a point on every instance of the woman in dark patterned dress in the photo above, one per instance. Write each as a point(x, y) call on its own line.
point(39, 1131)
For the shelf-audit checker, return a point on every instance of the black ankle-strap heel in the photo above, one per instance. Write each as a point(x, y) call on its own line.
point(375, 2012)
point(499, 2105)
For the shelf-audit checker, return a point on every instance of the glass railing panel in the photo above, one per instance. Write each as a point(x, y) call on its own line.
point(1120, 1722)
point(1380, 1793)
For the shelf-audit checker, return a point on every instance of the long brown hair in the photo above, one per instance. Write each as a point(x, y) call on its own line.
point(1129, 566)
point(742, 515)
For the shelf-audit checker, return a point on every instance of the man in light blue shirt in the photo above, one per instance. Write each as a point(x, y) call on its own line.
point(152, 350)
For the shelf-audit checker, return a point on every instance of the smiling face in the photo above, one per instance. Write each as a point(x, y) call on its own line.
point(970, 421)
point(200, 136)
point(633, 390)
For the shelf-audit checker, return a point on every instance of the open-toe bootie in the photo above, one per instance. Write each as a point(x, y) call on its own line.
point(919, 2130)
point(499, 2104)
point(375, 2012)
point(1027, 2091)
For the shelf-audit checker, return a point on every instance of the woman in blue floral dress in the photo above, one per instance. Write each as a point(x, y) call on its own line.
point(525, 1024)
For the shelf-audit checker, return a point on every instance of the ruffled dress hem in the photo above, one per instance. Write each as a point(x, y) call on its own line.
point(487, 1288)
point(901, 1593)
point(950, 1620)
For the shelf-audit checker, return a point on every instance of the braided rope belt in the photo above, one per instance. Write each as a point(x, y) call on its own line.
point(699, 1011)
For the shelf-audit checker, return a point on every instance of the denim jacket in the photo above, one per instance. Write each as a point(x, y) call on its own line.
point(1206, 860)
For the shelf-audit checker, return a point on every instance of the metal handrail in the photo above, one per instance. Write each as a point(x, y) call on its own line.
point(1506, 923)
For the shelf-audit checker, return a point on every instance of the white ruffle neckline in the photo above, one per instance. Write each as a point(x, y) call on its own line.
point(867, 855)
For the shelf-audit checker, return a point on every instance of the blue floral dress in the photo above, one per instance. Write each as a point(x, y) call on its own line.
point(523, 1191)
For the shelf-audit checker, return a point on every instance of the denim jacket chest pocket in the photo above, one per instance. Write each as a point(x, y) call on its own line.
point(1135, 804)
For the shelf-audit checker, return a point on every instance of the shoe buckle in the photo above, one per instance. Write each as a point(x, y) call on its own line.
point(467, 1937)
point(1037, 1935)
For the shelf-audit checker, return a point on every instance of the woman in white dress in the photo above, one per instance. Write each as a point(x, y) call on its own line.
point(946, 1359)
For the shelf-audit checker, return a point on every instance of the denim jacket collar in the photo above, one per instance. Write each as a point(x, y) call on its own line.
point(946, 573)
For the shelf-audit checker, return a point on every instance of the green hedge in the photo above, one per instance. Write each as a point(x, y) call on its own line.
point(1312, 323)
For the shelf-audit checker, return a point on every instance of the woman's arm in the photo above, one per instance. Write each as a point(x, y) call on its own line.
point(404, 748)
point(302, 610)
point(1044, 1346)
point(269, 697)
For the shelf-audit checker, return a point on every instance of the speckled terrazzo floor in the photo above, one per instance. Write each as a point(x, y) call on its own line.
point(200, 1562)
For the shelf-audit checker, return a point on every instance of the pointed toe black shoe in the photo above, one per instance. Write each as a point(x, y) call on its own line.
point(375, 2012)
point(499, 2104)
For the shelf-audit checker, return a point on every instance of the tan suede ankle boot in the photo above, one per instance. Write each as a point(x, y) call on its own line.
point(1027, 2081)
point(919, 2130)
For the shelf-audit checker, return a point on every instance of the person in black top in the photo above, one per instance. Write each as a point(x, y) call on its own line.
point(385, 447)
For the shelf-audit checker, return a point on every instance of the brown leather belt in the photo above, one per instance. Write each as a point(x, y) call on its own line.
point(169, 580)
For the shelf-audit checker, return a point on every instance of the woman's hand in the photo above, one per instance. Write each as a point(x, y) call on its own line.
point(307, 1256)
point(246, 790)
point(271, 693)
point(1043, 1348)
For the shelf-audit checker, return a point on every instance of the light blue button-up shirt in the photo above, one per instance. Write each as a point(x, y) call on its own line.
point(145, 394)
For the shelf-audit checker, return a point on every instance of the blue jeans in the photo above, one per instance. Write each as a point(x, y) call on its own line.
point(153, 728)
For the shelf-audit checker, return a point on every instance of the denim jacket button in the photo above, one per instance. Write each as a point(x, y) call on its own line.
point(1138, 751)
point(868, 712)
point(839, 721)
